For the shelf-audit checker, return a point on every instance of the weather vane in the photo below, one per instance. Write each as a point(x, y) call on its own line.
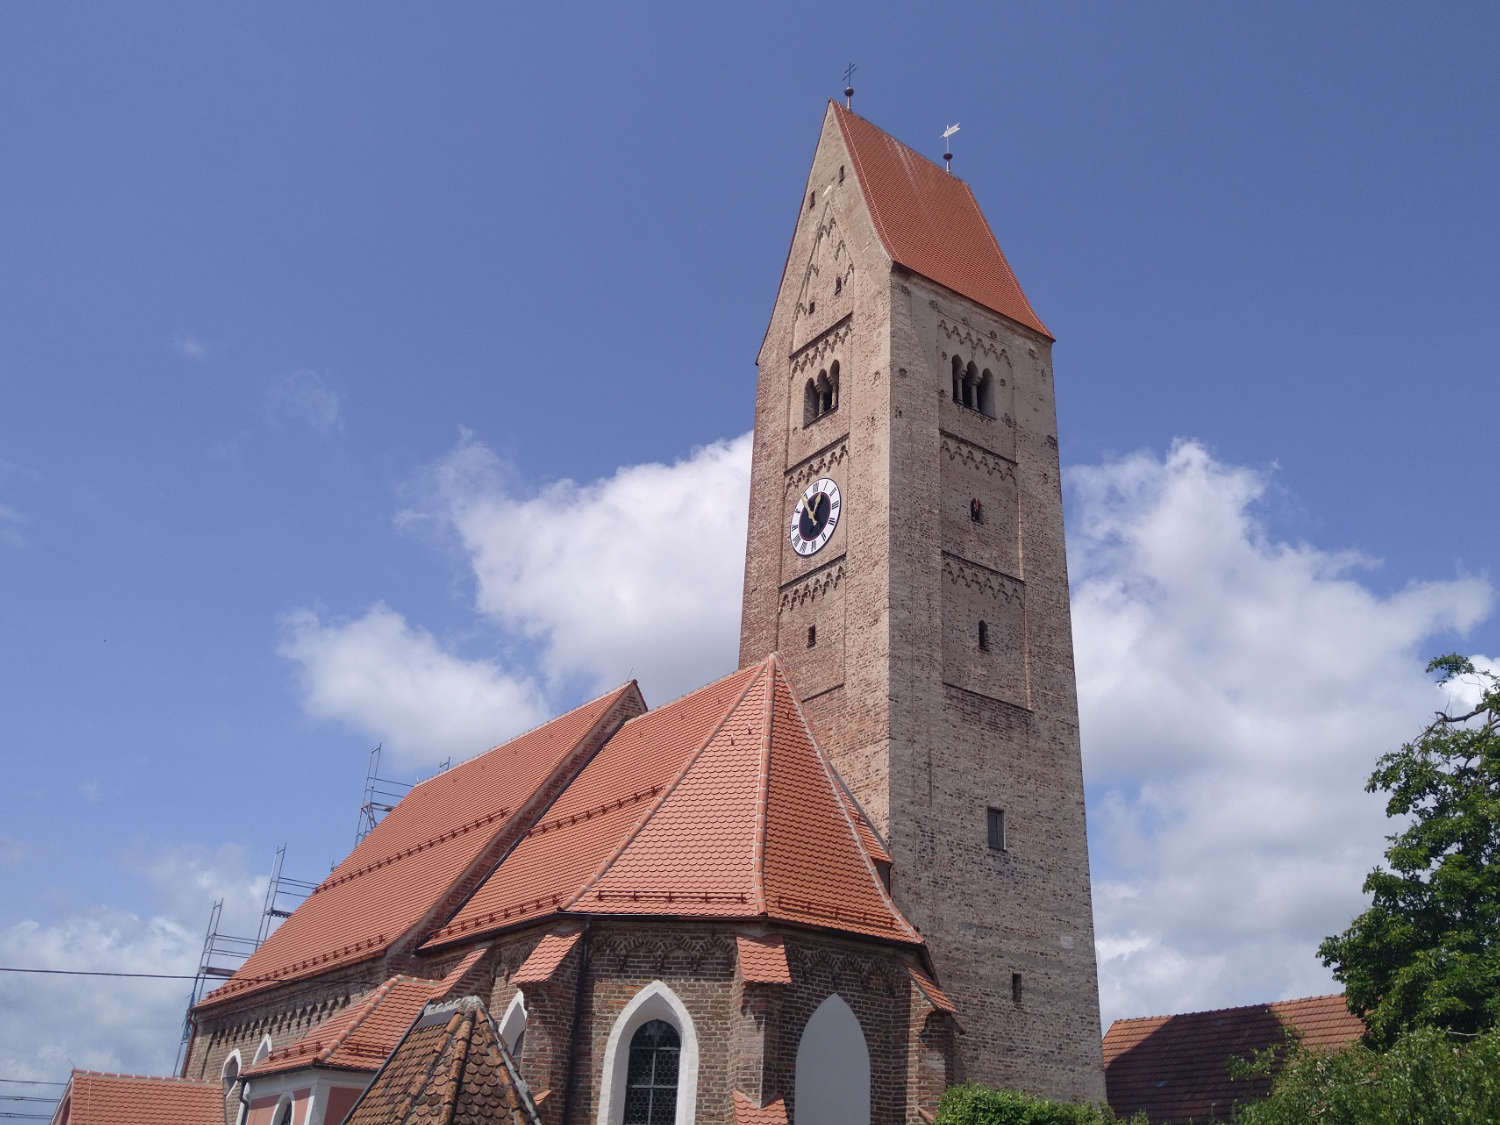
point(948, 147)
point(849, 86)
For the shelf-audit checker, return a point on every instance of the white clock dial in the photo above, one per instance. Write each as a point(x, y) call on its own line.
point(815, 517)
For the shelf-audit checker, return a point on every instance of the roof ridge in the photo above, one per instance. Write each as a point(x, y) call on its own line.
point(829, 774)
point(763, 796)
point(522, 734)
point(671, 786)
point(79, 1071)
point(431, 842)
point(1267, 1004)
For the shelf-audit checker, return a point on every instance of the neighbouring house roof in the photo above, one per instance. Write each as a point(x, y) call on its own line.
point(450, 1068)
point(417, 854)
point(93, 1098)
point(719, 805)
point(363, 1034)
point(930, 222)
point(1175, 1067)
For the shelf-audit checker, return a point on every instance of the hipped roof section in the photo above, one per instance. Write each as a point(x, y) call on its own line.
point(417, 854)
point(719, 805)
point(930, 222)
point(92, 1098)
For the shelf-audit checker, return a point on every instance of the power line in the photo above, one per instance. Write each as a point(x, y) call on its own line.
point(26, 1098)
point(29, 1082)
point(141, 976)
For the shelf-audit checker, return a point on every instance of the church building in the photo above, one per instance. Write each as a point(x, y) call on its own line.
point(819, 890)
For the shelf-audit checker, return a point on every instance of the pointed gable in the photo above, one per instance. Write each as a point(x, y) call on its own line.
point(450, 1068)
point(930, 222)
point(415, 856)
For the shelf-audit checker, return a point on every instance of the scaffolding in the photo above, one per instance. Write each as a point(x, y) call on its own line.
point(219, 949)
point(283, 895)
point(382, 794)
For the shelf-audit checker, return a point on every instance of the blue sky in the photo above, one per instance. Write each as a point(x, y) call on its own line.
point(350, 355)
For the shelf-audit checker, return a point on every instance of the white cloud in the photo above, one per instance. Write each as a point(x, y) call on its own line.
point(54, 1023)
point(304, 398)
point(1235, 692)
point(189, 347)
point(636, 574)
point(395, 682)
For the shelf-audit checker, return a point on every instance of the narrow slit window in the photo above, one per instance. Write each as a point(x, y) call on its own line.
point(984, 637)
point(841, 173)
point(996, 827)
point(812, 197)
point(1015, 988)
point(838, 285)
point(812, 635)
point(976, 510)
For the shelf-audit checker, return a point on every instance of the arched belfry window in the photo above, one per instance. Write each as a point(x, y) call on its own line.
point(833, 1067)
point(958, 380)
point(651, 1062)
point(821, 395)
point(986, 401)
point(971, 380)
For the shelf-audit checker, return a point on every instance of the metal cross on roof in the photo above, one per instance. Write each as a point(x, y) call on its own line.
point(948, 148)
point(849, 85)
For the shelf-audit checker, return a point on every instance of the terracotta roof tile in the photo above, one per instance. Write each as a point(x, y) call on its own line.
point(930, 989)
point(586, 825)
point(763, 959)
point(1174, 1067)
point(404, 867)
point(547, 956)
point(717, 805)
point(92, 1098)
point(363, 1034)
point(746, 1112)
point(450, 1068)
point(930, 222)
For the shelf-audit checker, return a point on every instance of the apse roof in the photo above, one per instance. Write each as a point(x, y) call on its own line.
point(719, 805)
point(1174, 1067)
point(930, 222)
point(363, 1034)
point(450, 1068)
point(416, 854)
point(93, 1098)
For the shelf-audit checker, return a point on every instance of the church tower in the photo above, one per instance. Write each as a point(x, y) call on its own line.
point(906, 560)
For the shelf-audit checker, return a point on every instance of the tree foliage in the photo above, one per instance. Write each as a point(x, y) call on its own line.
point(1426, 1077)
point(1425, 953)
point(973, 1104)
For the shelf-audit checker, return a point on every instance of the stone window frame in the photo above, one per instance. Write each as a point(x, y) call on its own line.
point(286, 1103)
point(512, 1025)
point(656, 1001)
point(262, 1050)
point(227, 1079)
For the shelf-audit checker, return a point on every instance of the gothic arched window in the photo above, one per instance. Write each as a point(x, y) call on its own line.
point(651, 1080)
point(833, 1067)
point(229, 1073)
point(650, 1062)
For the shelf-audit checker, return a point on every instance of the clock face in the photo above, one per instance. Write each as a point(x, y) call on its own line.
point(815, 517)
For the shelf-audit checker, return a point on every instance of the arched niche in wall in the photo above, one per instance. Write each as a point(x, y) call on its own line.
point(833, 1068)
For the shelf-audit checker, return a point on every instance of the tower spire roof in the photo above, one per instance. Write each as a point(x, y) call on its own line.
point(931, 223)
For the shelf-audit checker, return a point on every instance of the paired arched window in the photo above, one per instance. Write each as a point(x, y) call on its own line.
point(821, 395)
point(833, 1067)
point(651, 1062)
point(973, 388)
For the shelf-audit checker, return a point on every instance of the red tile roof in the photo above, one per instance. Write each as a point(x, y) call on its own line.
point(450, 1068)
point(930, 221)
point(929, 988)
point(413, 858)
point(363, 1034)
point(763, 959)
point(746, 1112)
point(92, 1098)
point(547, 956)
point(717, 805)
point(1174, 1067)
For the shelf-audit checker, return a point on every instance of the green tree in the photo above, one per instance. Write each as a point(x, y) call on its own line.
point(1427, 951)
point(1426, 1077)
point(973, 1104)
